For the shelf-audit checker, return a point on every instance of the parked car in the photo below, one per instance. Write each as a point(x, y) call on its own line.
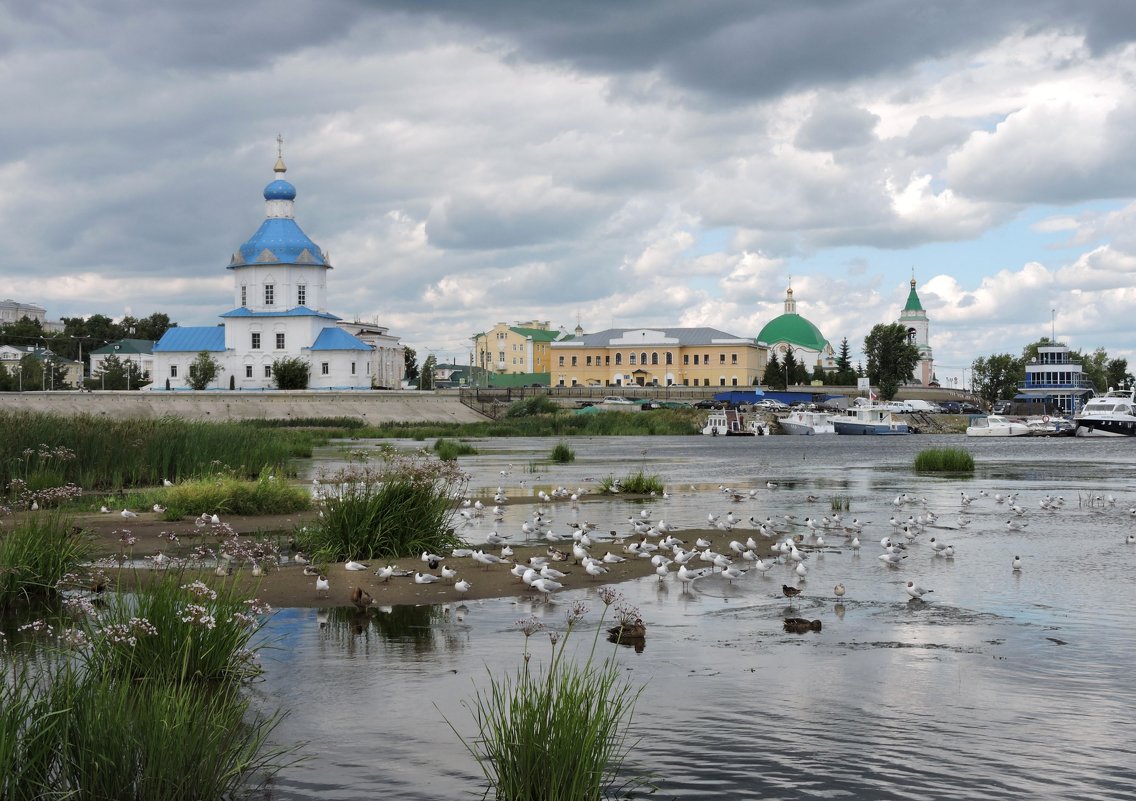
point(708, 403)
point(1002, 406)
point(951, 407)
point(923, 406)
point(900, 407)
point(616, 399)
point(772, 405)
point(970, 408)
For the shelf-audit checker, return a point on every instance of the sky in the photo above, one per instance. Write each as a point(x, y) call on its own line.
point(631, 163)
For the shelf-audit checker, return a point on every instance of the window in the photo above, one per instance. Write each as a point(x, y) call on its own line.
point(705, 382)
point(706, 359)
point(654, 358)
point(324, 368)
point(721, 358)
point(279, 342)
point(268, 371)
point(173, 371)
point(686, 358)
point(721, 382)
point(588, 360)
point(696, 360)
point(573, 361)
point(352, 368)
point(244, 295)
point(631, 358)
point(670, 358)
point(302, 295)
point(256, 340)
point(500, 355)
point(561, 361)
point(248, 371)
point(618, 359)
point(607, 359)
point(734, 381)
point(269, 295)
point(643, 358)
point(733, 358)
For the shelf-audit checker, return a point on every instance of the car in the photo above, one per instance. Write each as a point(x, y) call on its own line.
point(618, 400)
point(900, 407)
point(970, 408)
point(951, 407)
point(1002, 406)
point(708, 404)
point(773, 405)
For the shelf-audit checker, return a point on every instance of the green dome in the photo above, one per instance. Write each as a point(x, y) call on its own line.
point(794, 329)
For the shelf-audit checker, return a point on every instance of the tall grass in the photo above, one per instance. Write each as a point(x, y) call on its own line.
point(401, 508)
point(557, 733)
point(112, 454)
point(449, 449)
point(659, 421)
point(637, 484)
point(36, 555)
point(562, 454)
point(944, 460)
point(229, 494)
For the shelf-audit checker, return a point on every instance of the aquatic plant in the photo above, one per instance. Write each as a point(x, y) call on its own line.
point(944, 460)
point(402, 507)
point(226, 493)
point(558, 732)
point(37, 554)
point(449, 449)
point(562, 454)
point(637, 484)
point(840, 503)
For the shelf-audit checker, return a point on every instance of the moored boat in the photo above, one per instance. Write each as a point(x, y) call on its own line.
point(806, 422)
point(732, 423)
point(1110, 415)
point(995, 425)
point(870, 419)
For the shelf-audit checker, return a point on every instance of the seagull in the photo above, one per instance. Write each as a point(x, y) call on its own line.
point(1017, 564)
point(104, 510)
point(916, 592)
point(158, 508)
point(215, 520)
point(449, 572)
point(686, 575)
point(594, 568)
point(167, 483)
point(352, 565)
point(546, 586)
point(462, 586)
point(384, 573)
point(425, 578)
point(732, 573)
point(322, 585)
point(839, 590)
point(127, 514)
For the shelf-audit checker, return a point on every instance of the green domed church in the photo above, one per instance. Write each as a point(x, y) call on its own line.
point(790, 329)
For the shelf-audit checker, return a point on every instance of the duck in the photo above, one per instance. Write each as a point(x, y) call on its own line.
point(628, 633)
point(361, 598)
point(799, 625)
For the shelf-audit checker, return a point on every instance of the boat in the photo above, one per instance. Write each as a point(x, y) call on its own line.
point(807, 422)
point(868, 419)
point(1110, 415)
point(1046, 426)
point(732, 423)
point(995, 425)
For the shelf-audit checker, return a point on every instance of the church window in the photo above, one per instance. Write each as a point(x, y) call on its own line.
point(248, 371)
point(269, 295)
point(244, 295)
point(268, 371)
point(302, 295)
point(173, 371)
point(618, 359)
point(280, 341)
point(670, 358)
point(325, 368)
point(255, 340)
point(654, 358)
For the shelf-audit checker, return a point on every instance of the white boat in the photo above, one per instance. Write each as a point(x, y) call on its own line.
point(1046, 426)
point(732, 423)
point(806, 423)
point(995, 425)
point(1110, 415)
point(868, 419)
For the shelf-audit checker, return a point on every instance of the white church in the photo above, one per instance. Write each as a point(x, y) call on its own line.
point(280, 311)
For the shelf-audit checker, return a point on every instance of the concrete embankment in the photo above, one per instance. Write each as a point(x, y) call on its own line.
point(372, 407)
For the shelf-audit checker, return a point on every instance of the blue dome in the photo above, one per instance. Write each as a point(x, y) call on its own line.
point(279, 190)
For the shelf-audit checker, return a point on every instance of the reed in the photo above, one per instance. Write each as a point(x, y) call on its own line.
point(557, 732)
point(840, 503)
point(230, 494)
point(112, 454)
point(36, 555)
point(562, 454)
point(944, 460)
point(400, 508)
point(637, 484)
point(449, 449)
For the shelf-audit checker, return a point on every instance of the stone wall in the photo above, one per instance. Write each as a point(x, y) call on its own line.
point(373, 407)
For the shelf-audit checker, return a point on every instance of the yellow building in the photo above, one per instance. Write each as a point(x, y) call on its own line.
point(516, 348)
point(703, 357)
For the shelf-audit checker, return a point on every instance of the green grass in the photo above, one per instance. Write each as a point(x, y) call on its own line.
point(399, 509)
point(840, 503)
point(36, 555)
point(449, 449)
point(557, 732)
point(338, 423)
point(113, 454)
point(944, 460)
point(537, 404)
point(562, 454)
point(236, 496)
point(636, 484)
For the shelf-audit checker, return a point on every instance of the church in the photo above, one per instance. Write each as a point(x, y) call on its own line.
point(791, 330)
point(280, 311)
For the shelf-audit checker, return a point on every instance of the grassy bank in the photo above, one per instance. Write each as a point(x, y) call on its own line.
point(559, 424)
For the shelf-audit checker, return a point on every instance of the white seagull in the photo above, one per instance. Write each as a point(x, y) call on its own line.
point(353, 565)
point(915, 591)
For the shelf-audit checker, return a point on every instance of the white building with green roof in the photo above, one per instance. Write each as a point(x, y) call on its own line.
point(791, 330)
point(914, 319)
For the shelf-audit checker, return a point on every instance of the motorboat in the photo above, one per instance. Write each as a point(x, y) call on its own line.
point(732, 423)
point(807, 422)
point(995, 425)
point(868, 419)
point(1110, 415)
point(1046, 426)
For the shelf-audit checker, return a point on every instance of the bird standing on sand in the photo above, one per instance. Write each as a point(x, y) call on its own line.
point(322, 585)
point(127, 514)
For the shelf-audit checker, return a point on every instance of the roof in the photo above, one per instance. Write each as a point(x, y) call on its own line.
point(913, 303)
point(131, 346)
point(794, 329)
point(333, 338)
point(652, 337)
point(279, 240)
point(296, 311)
point(537, 334)
point(193, 339)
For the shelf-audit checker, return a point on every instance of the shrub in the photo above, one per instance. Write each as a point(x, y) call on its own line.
point(231, 495)
point(449, 449)
point(291, 372)
point(637, 484)
point(562, 454)
point(35, 557)
point(537, 404)
point(944, 460)
point(401, 508)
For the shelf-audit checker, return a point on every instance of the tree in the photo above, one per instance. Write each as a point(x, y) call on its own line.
point(410, 360)
point(819, 374)
point(997, 376)
point(788, 368)
point(291, 372)
point(773, 378)
point(116, 373)
point(891, 358)
point(1117, 373)
point(202, 371)
point(845, 375)
point(426, 376)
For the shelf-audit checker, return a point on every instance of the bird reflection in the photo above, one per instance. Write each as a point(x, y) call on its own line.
point(839, 610)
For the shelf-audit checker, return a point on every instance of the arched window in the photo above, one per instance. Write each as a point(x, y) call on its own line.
point(631, 358)
point(619, 358)
point(654, 358)
point(643, 357)
point(670, 358)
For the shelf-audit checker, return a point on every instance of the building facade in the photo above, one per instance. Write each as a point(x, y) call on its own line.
point(12, 355)
point(139, 351)
point(914, 320)
point(12, 311)
point(657, 357)
point(1055, 382)
point(516, 348)
point(280, 311)
point(791, 330)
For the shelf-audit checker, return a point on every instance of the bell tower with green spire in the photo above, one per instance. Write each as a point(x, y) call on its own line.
point(914, 319)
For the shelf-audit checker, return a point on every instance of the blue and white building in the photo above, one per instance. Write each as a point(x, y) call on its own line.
point(280, 311)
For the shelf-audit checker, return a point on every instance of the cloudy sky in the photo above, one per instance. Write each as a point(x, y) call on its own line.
point(622, 163)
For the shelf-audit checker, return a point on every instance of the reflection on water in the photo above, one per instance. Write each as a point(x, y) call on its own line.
point(1003, 685)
